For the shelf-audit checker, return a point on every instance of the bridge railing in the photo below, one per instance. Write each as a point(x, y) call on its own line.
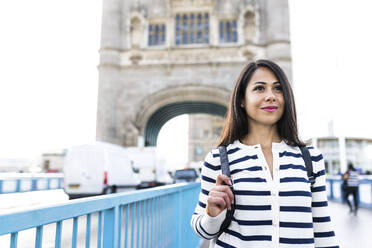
point(157, 217)
point(24, 182)
point(334, 188)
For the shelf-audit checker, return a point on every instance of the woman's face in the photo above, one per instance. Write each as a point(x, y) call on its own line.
point(263, 100)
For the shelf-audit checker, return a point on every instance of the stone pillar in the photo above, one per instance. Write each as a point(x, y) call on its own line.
point(277, 34)
point(214, 34)
point(109, 71)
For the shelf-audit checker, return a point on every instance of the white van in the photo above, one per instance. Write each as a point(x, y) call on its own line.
point(151, 167)
point(99, 168)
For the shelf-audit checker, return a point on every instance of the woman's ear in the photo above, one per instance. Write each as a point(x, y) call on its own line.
point(242, 104)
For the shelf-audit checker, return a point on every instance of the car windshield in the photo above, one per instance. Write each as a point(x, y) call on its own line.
point(185, 173)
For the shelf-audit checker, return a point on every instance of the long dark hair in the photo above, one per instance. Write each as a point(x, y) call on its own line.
point(236, 123)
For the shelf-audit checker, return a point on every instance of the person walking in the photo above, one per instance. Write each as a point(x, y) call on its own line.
point(351, 181)
point(274, 203)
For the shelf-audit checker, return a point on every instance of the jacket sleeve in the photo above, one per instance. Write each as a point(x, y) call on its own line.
point(205, 226)
point(324, 235)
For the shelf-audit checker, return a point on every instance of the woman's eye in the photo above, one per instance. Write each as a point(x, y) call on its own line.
point(278, 88)
point(259, 88)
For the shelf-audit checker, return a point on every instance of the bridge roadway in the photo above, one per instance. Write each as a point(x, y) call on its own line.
point(351, 231)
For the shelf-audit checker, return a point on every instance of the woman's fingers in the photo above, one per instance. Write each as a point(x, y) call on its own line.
point(224, 196)
point(216, 201)
point(223, 178)
point(225, 189)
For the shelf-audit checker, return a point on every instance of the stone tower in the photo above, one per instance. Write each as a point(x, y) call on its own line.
point(163, 58)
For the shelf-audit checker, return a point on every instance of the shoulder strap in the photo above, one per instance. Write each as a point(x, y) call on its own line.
point(308, 163)
point(226, 171)
point(224, 161)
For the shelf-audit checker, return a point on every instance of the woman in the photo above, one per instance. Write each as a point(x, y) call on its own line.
point(275, 204)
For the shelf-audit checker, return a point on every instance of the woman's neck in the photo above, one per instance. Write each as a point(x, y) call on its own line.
point(263, 135)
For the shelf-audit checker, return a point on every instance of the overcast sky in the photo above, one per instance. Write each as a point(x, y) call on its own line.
point(49, 77)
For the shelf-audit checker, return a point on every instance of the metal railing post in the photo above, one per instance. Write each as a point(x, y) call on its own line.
point(18, 185)
point(110, 220)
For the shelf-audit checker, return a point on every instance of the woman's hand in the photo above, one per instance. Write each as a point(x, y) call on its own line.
point(220, 196)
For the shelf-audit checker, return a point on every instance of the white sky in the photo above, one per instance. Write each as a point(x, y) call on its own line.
point(331, 49)
point(49, 77)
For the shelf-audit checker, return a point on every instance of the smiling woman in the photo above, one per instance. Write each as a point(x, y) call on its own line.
point(269, 199)
point(262, 95)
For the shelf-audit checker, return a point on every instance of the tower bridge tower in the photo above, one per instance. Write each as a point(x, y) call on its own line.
point(163, 58)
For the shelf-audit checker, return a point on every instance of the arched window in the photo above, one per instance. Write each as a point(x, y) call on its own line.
point(156, 34)
point(228, 31)
point(192, 28)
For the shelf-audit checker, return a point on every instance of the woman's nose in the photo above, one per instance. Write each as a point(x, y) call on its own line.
point(270, 96)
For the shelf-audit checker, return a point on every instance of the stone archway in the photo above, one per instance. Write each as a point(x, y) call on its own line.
point(164, 114)
point(168, 103)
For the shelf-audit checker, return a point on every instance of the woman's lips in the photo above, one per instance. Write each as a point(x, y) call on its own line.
point(270, 109)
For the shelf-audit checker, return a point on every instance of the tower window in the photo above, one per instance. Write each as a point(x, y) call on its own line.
point(192, 28)
point(228, 31)
point(156, 34)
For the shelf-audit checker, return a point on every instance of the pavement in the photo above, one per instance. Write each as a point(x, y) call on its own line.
point(15, 202)
point(351, 231)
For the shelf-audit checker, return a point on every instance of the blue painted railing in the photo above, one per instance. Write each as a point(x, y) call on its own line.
point(334, 188)
point(157, 217)
point(24, 182)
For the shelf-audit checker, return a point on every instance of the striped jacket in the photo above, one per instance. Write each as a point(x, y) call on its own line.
point(353, 179)
point(280, 211)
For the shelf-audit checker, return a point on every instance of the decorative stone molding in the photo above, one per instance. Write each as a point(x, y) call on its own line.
point(191, 55)
point(182, 4)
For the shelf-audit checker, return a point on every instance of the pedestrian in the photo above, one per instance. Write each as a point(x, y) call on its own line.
point(275, 204)
point(351, 187)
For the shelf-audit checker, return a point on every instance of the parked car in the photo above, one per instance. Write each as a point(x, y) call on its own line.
point(185, 175)
point(99, 168)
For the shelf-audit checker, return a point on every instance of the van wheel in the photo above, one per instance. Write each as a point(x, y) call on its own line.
point(109, 190)
point(113, 189)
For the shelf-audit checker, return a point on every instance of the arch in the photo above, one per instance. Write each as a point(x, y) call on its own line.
point(161, 106)
point(165, 113)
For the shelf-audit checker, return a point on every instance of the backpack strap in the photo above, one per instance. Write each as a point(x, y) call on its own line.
point(308, 163)
point(226, 171)
point(224, 161)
